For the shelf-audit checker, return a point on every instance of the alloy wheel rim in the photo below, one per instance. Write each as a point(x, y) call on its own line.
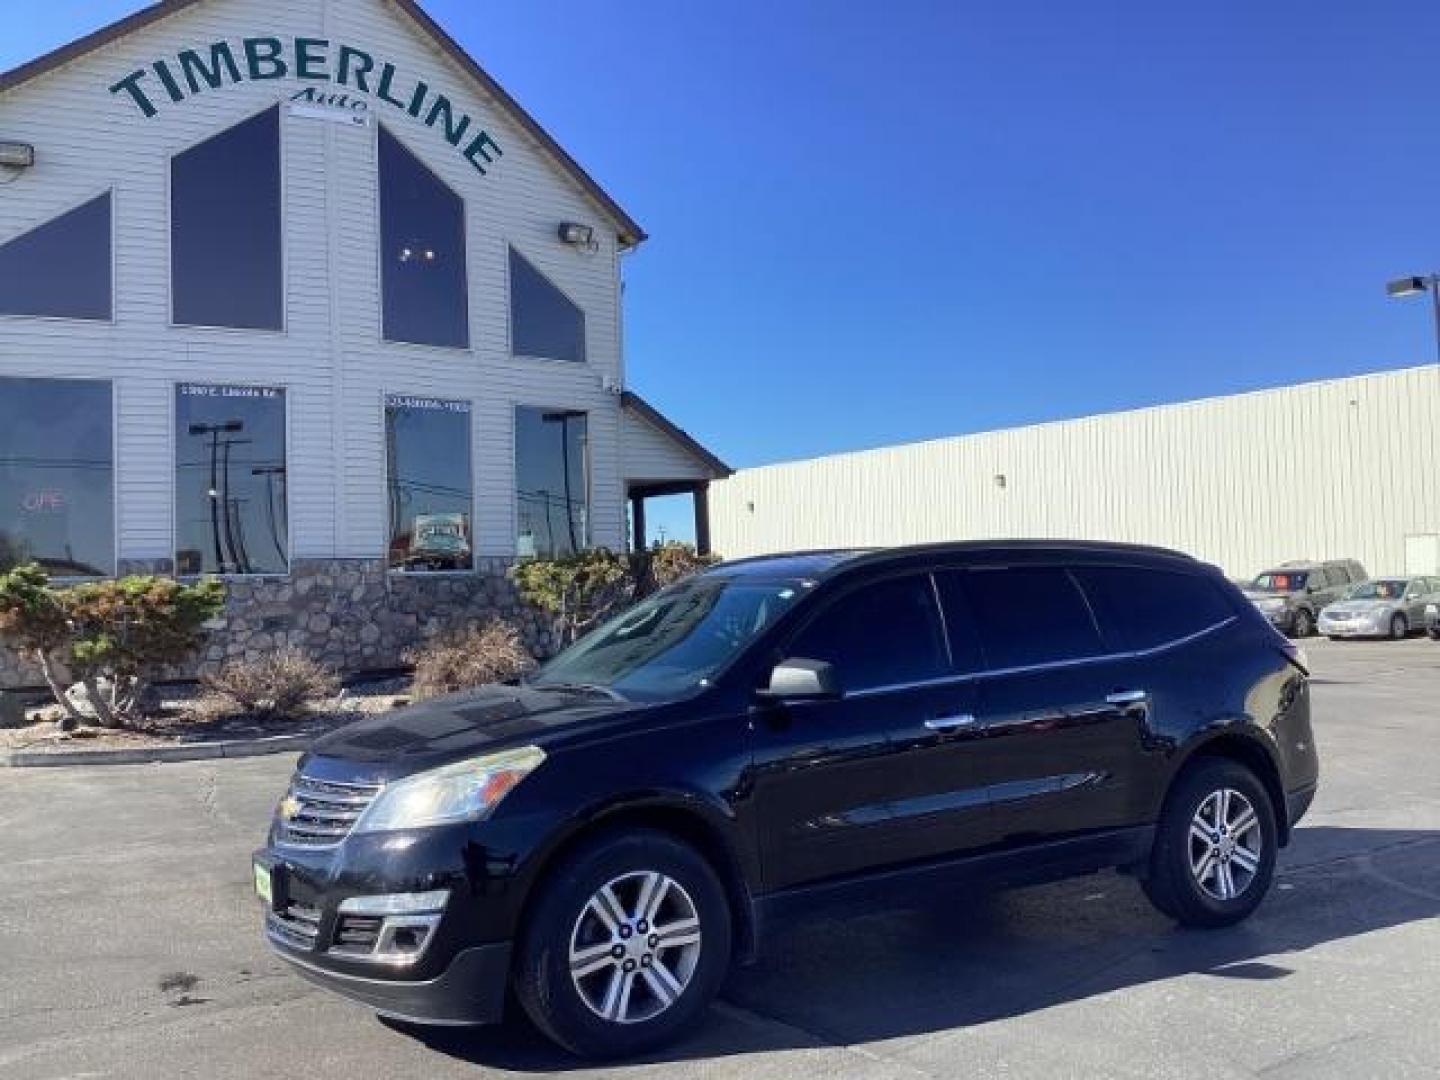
point(635, 947)
point(1226, 844)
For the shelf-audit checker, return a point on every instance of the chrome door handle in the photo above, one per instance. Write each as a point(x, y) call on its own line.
point(1127, 697)
point(950, 723)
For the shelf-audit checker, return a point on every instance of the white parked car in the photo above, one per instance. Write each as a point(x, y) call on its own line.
point(1381, 607)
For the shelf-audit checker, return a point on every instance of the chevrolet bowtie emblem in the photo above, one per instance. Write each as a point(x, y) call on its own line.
point(289, 808)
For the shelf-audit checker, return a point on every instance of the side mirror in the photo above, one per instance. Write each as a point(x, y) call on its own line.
point(803, 680)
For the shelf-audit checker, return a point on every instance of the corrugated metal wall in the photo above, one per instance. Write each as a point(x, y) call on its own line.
point(1342, 468)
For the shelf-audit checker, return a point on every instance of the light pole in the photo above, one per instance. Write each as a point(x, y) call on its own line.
point(1413, 286)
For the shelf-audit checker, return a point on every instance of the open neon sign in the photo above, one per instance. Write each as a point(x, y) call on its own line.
point(43, 502)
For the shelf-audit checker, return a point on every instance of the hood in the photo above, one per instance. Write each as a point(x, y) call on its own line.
point(459, 726)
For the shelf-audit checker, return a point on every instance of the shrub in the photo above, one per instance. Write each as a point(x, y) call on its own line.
point(668, 563)
point(491, 653)
point(276, 686)
point(578, 591)
point(113, 637)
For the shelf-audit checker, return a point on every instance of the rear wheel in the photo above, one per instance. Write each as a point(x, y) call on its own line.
point(628, 943)
point(1399, 627)
point(1215, 846)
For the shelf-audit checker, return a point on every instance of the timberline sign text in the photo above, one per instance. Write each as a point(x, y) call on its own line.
point(315, 60)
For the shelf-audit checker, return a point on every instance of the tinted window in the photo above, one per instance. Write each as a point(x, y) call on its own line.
point(1142, 609)
point(959, 621)
point(225, 261)
point(543, 320)
point(428, 443)
point(879, 635)
point(422, 252)
point(552, 482)
point(60, 270)
point(1030, 615)
point(57, 494)
point(230, 480)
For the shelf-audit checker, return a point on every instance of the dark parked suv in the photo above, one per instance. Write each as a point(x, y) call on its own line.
point(608, 836)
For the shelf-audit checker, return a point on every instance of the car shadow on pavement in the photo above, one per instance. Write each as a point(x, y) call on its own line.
point(962, 960)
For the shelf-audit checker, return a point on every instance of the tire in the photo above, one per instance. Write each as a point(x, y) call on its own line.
point(1173, 884)
point(1335, 637)
point(591, 1015)
point(1304, 624)
point(1399, 627)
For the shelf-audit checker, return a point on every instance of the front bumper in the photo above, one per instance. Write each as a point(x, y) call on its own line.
point(469, 991)
point(1364, 627)
point(1283, 619)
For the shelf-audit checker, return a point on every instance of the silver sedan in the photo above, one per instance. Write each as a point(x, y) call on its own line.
point(1381, 607)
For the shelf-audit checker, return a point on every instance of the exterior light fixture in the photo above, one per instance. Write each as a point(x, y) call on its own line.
point(577, 235)
point(1000, 480)
point(17, 155)
point(1414, 286)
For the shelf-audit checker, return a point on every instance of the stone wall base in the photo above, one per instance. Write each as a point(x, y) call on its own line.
point(353, 615)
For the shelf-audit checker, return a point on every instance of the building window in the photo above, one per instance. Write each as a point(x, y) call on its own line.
point(422, 252)
point(61, 270)
point(552, 482)
point(57, 476)
point(427, 443)
point(544, 322)
point(226, 266)
point(231, 505)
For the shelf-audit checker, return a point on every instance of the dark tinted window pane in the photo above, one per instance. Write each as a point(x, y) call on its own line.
point(959, 621)
point(57, 494)
point(1141, 609)
point(880, 635)
point(428, 444)
point(544, 321)
point(422, 252)
point(230, 481)
point(225, 262)
point(60, 270)
point(552, 482)
point(1030, 615)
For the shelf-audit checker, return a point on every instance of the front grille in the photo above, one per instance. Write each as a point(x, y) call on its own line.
point(321, 813)
point(297, 925)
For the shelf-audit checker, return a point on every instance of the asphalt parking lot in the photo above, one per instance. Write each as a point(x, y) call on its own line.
point(129, 945)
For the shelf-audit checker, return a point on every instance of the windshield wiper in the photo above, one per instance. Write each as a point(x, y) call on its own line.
point(594, 689)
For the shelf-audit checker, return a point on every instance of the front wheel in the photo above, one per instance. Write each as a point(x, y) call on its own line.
point(1215, 846)
point(1399, 628)
point(1304, 624)
point(628, 942)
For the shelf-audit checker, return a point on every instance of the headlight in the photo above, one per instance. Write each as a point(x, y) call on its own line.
point(1432, 611)
point(466, 791)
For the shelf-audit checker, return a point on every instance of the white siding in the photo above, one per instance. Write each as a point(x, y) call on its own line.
point(650, 454)
point(330, 358)
point(1343, 468)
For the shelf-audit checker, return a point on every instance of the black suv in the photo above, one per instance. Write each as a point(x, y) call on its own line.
point(608, 836)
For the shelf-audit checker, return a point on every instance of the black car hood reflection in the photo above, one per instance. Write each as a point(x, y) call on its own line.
point(463, 725)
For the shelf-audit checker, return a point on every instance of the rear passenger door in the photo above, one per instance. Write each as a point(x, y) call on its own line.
point(1060, 723)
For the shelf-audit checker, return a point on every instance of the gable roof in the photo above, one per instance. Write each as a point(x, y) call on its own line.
point(631, 234)
point(642, 408)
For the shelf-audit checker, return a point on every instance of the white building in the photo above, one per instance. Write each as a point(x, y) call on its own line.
point(292, 291)
point(1335, 469)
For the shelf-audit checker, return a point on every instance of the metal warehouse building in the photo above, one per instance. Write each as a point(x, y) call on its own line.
point(292, 292)
point(1341, 468)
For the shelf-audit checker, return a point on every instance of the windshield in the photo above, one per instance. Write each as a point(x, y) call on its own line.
point(1280, 581)
point(1383, 589)
point(675, 641)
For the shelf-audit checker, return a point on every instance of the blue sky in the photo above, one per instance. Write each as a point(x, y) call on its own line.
point(875, 223)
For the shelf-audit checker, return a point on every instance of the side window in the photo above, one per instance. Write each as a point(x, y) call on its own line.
point(1143, 609)
point(879, 635)
point(1031, 615)
point(960, 622)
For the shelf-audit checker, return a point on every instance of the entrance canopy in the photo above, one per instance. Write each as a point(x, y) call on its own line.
point(662, 459)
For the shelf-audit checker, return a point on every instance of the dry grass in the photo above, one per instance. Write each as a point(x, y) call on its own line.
point(491, 653)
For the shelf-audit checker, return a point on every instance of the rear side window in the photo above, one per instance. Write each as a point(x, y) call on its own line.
point(1143, 609)
point(1030, 615)
point(880, 635)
